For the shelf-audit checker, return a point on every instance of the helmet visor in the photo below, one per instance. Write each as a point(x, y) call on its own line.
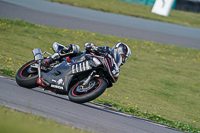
point(123, 58)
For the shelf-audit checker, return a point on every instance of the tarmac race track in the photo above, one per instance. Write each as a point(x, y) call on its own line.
point(64, 16)
point(86, 116)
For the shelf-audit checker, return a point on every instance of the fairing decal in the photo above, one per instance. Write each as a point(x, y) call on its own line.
point(110, 71)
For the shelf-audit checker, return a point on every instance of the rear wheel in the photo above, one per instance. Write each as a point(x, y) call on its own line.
point(26, 77)
point(81, 94)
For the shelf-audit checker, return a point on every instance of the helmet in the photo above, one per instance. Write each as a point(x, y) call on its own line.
point(123, 50)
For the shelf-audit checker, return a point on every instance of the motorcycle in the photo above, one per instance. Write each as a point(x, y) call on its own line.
point(83, 78)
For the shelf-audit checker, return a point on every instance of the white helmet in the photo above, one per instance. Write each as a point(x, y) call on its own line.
point(123, 50)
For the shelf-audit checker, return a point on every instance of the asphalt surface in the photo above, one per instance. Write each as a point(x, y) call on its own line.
point(83, 116)
point(64, 16)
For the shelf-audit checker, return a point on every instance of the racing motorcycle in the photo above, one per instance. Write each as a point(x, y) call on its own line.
point(83, 78)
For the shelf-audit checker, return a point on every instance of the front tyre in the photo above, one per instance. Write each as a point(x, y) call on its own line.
point(26, 77)
point(81, 94)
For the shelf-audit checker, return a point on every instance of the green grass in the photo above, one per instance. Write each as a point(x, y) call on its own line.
point(161, 80)
point(17, 122)
point(141, 11)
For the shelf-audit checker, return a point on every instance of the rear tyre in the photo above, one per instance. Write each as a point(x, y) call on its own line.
point(81, 94)
point(26, 77)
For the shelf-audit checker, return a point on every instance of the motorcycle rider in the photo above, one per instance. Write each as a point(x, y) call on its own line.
point(117, 56)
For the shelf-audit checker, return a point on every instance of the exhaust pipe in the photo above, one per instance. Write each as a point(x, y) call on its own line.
point(37, 54)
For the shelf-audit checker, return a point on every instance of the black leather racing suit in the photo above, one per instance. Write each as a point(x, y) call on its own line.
point(113, 58)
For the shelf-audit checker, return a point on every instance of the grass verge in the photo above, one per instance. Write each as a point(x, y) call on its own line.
point(140, 11)
point(17, 122)
point(151, 116)
point(159, 81)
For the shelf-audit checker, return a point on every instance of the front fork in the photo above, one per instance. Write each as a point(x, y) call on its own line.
point(89, 78)
point(92, 75)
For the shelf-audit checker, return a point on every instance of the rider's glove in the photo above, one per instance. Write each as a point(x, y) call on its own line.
point(115, 71)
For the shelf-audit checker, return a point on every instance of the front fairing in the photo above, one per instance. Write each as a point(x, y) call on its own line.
point(61, 76)
point(106, 67)
point(66, 74)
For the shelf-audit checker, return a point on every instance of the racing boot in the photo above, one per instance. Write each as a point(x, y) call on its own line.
point(47, 62)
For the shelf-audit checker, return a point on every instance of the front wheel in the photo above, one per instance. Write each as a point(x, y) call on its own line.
point(81, 94)
point(26, 77)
